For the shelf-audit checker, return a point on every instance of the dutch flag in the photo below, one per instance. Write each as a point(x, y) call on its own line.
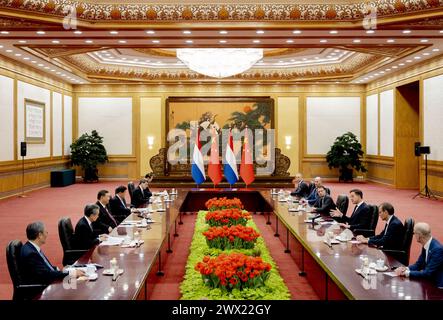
point(230, 167)
point(198, 168)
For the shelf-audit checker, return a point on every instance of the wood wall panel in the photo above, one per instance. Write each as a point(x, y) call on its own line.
point(380, 170)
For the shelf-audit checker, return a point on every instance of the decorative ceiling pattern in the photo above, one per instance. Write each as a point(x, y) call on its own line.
point(341, 64)
point(221, 12)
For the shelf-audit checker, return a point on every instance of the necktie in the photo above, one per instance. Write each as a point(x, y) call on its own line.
point(121, 200)
point(46, 261)
point(386, 229)
point(355, 209)
point(110, 216)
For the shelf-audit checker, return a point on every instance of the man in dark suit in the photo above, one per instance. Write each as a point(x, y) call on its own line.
point(106, 221)
point(430, 263)
point(324, 203)
point(392, 235)
point(140, 197)
point(34, 265)
point(361, 216)
point(118, 206)
point(301, 187)
point(84, 236)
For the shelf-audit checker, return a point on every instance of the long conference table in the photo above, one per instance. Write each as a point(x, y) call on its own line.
point(329, 270)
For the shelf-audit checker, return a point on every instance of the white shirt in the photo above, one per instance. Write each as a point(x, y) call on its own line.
point(387, 223)
point(358, 205)
point(121, 200)
point(426, 247)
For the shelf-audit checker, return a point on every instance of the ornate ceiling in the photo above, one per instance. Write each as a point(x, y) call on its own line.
point(127, 41)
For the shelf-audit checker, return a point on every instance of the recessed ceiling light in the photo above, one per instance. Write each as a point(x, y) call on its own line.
point(406, 31)
point(336, 50)
point(58, 72)
point(26, 58)
point(22, 41)
point(41, 32)
point(259, 32)
point(401, 64)
point(387, 69)
point(186, 32)
point(33, 61)
point(155, 41)
point(370, 31)
point(9, 51)
point(223, 32)
point(189, 41)
point(333, 32)
point(4, 32)
point(256, 41)
point(281, 61)
point(289, 41)
point(394, 67)
point(1, 46)
point(323, 41)
point(382, 72)
point(89, 41)
point(77, 32)
point(441, 31)
point(296, 31)
point(424, 40)
point(150, 32)
point(436, 50)
point(417, 58)
point(356, 40)
point(292, 60)
point(55, 41)
point(390, 41)
point(47, 68)
point(113, 32)
point(121, 41)
point(18, 54)
point(376, 74)
point(52, 70)
point(426, 54)
point(408, 61)
point(222, 41)
point(40, 64)
point(218, 82)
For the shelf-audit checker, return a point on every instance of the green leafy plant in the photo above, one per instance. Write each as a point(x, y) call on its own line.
point(194, 288)
point(345, 154)
point(87, 152)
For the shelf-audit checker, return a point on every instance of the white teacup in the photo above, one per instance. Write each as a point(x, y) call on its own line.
point(90, 270)
point(380, 263)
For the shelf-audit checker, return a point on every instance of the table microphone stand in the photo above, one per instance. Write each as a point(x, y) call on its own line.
point(426, 191)
point(22, 195)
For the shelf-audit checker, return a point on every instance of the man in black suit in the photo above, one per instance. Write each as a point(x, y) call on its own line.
point(140, 197)
point(84, 236)
point(392, 235)
point(118, 206)
point(106, 221)
point(301, 187)
point(361, 216)
point(324, 203)
point(34, 265)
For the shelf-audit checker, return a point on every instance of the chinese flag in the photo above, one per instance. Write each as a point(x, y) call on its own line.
point(214, 167)
point(246, 166)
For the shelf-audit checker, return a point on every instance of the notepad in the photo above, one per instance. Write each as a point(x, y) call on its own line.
point(112, 241)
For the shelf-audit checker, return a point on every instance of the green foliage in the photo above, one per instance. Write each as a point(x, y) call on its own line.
point(346, 153)
point(193, 287)
point(87, 152)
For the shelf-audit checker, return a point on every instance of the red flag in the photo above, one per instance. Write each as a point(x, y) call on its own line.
point(246, 166)
point(214, 167)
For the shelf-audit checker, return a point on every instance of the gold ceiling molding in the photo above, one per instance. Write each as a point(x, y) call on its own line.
point(171, 53)
point(221, 12)
point(96, 70)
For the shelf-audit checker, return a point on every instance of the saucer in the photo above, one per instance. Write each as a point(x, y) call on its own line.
point(370, 271)
point(382, 269)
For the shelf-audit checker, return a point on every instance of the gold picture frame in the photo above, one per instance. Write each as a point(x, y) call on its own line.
point(35, 121)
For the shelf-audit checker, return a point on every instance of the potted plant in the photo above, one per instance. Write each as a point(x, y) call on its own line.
point(346, 153)
point(87, 152)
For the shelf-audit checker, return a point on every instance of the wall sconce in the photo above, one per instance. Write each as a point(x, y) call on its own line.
point(150, 142)
point(288, 141)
